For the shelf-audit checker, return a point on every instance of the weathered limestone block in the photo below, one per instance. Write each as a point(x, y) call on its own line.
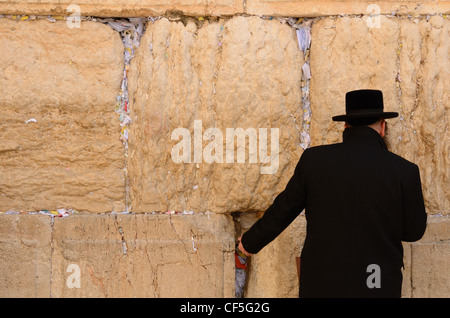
point(422, 132)
point(143, 255)
point(426, 272)
point(316, 8)
point(430, 261)
point(239, 73)
point(408, 61)
point(430, 271)
point(59, 144)
point(292, 8)
point(122, 8)
point(25, 256)
point(272, 273)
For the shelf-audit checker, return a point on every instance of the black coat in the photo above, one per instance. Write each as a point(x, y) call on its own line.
point(361, 201)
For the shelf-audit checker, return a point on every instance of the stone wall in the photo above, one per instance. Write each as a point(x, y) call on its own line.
point(239, 73)
point(293, 8)
point(140, 255)
point(59, 144)
point(117, 178)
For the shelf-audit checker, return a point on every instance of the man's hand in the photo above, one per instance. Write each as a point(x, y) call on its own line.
point(242, 249)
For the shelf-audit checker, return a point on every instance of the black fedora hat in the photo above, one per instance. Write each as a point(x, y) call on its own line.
point(364, 103)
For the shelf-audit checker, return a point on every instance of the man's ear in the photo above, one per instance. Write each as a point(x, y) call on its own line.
point(383, 128)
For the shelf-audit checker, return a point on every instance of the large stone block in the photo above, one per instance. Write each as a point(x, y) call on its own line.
point(408, 61)
point(316, 8)
point(292, 8)
point(25, 256)
point(426, 272)
point(59, 144)
point(143, 255)
point(186, 82)
point(430, 260)
point(421, 134)
point(430, 276)
point(122, 8)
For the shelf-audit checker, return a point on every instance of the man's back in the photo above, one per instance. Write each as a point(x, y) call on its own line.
point(360, 202)
point(355, 210)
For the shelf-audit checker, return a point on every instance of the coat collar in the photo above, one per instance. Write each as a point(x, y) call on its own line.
point(363, 135)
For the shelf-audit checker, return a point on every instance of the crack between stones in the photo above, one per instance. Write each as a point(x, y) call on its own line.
point(122, 236)
point(411, 286)
point(51, 255)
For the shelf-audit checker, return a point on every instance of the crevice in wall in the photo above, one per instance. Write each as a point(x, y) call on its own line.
point(241, 261)
point(51, 255)
point(122, 236)
point(243, 222)
point(131, 31)
point(304, 41)
point(411, 265)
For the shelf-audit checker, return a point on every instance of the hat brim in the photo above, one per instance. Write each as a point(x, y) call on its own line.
point(384, 115)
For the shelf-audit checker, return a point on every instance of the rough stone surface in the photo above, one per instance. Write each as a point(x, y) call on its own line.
point(426, 262)
point(315, 8)
point(293, 8)
point(65, 81)
point(25, 256)
point(430, 277)
point(273, 272)
point(430, 261)
point(144, 255)
point(410, 66)
point(153, 256)
point(133, 8)
point(239, 73)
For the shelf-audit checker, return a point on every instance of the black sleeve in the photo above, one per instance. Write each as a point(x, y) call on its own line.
point(414, 214)
point(285, 208)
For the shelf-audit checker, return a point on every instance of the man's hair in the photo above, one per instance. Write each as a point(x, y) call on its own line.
point(362, 121)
